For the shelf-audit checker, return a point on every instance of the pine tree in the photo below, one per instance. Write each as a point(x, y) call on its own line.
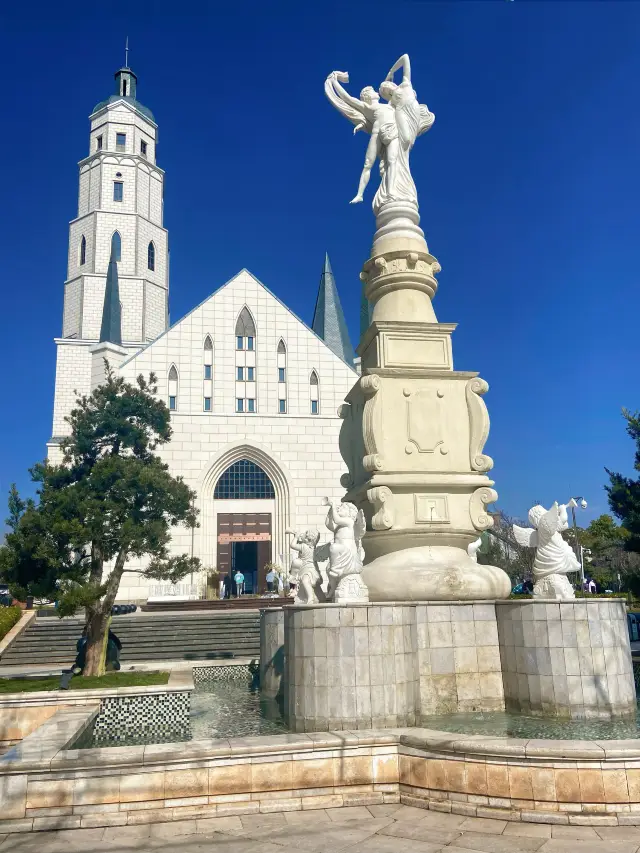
point(112, 499)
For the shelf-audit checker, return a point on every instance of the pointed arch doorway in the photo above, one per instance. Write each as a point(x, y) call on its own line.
point(244, 499)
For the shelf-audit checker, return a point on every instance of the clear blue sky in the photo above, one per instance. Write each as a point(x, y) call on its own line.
point(529, 184)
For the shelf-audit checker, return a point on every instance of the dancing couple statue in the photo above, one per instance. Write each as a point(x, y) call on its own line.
point(345, 554)
point(394, 127)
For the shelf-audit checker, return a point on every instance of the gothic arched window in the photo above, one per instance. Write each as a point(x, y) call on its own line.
point(173, 388)
point(244, 480)
point(116, 246)
point(314, 393)
point(83, 250)
point(281, 358)
point(245, 330)
point(151, 256)
point(208, 374)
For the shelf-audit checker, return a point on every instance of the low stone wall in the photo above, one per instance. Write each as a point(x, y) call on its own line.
point(566, 658)
point(45, 786)
point(122, 712)
point(18, 722)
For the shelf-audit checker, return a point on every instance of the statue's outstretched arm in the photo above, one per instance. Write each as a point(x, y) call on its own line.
point(405, 64)
point(355, 110)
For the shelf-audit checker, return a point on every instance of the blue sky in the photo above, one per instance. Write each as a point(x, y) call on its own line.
point(529, 184)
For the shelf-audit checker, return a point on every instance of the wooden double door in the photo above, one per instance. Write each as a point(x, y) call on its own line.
point(244, 543)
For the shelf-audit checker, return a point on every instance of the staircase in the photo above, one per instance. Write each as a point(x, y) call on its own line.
point(161, 637)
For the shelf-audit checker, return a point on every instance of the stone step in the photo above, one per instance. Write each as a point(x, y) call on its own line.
point(171, 637)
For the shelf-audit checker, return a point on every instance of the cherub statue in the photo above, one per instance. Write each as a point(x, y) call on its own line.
point(554, 557)
point(304, 569)
point(346, 553)
point(394, 127)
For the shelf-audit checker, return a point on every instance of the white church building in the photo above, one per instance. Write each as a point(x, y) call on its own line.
point(253, 391)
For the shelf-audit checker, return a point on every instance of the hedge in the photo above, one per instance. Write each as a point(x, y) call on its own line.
point(8, 618)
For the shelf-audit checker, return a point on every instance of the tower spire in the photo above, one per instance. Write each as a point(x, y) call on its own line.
point(328, 318)
point(111, 328)
point(126, 53)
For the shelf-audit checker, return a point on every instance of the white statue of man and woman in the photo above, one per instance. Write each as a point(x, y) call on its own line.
point(343, 583)
point(394, 127)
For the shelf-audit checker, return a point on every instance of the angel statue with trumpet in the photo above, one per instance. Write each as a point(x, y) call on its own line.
point(394, 127)
point(346, 553)
point(554, 557)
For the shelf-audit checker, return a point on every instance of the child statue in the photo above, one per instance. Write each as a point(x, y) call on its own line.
point(346, 553)
point(304, 569)
point(554, 557)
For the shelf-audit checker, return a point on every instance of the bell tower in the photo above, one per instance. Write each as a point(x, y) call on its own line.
point(120, 203)
point(120, 216)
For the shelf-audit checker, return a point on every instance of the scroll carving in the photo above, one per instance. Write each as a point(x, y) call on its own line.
point(480, 518)
point(371, 431)
point(478, 424)
point(372, 462)
point(382, 499)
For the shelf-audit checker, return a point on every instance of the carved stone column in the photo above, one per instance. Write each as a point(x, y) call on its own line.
point(414, 431)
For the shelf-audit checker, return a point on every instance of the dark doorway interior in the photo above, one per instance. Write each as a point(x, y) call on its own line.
point(244, 556)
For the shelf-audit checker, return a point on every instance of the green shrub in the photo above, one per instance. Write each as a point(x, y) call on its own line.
point(8, 618)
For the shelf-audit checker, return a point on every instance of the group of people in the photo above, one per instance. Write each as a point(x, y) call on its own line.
point(233, 585)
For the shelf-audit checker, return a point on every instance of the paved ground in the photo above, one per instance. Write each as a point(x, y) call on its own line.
point(376, 829)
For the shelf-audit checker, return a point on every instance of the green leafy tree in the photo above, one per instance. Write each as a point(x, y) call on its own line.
point(111, 500)
point(500, 548)
point(624, 492)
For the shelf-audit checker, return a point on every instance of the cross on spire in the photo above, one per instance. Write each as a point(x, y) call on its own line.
point(126, 53)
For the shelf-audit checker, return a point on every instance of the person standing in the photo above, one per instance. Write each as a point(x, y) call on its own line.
point(271, 576)
point(227, 586)
point(239, 581)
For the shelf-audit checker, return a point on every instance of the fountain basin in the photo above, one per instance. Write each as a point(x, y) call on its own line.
point(45, 785)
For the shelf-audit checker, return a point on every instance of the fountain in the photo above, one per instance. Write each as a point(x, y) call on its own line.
point(410, 625)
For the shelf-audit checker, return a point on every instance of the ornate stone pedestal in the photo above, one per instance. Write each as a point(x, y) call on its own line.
point(414, 431)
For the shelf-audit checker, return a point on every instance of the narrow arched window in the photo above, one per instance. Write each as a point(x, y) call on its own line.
point(83, 250)
point(207, 383)
point(281, 358)
point(173, 388)
point(314, 393)
point(151, 256)
point(245, 330)
point(116, 246)
point(208, 358)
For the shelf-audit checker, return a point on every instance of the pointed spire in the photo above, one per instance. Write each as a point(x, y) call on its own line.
point(111, 328)
point(328, 318)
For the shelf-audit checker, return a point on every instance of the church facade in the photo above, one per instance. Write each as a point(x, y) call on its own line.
point(252, 390)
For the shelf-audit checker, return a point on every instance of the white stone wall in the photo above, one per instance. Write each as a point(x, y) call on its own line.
point(122, 118)
point(155, 310)
point(302, 446)
point(72, 309)
point(73, 379)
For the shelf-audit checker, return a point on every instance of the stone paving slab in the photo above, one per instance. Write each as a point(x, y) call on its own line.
point(389, 828)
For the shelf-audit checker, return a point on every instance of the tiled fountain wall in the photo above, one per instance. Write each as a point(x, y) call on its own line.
point(569, 659)
point(387, 665)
